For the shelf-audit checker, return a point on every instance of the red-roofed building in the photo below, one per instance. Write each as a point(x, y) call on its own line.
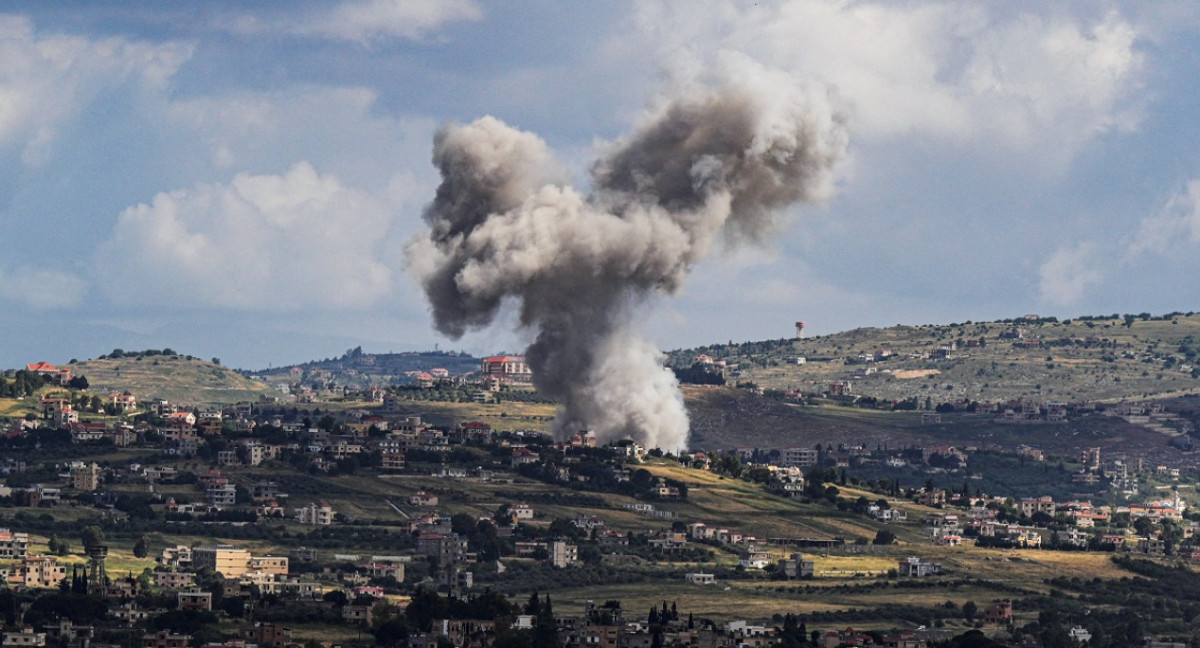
point(181, 418)
point(522, 455)
point(999, 612)
point(60, 375)
point(124, 402)
point(374, 591)
point(506, 369)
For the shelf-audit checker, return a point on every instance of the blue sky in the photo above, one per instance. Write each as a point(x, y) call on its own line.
point(240, 179)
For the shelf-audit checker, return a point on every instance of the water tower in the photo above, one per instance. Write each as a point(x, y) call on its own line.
point(98, 578)
point(799, 329)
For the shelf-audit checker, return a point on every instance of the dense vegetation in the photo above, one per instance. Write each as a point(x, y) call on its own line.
point(22, 383)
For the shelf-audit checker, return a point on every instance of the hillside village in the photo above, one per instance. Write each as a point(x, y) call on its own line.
point(1087, 359)
point(257, 522)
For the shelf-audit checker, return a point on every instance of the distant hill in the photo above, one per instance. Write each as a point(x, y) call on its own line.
point(1091, 358)
point(359, 369)
point(949, 367)
point(177, 378)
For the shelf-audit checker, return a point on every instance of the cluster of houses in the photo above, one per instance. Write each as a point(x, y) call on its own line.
point(1073, 522)
point(180, 431)
point(596, 626)
point(436, 539)
point(390, 438)
point(1069, 523)
point(67, 633)
point(180, 434)
point(495, 373)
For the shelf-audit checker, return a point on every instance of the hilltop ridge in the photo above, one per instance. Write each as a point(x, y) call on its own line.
point(177, 378)
point(1089, 358)
point(359, 369)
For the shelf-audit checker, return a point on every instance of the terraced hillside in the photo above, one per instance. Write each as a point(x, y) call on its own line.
point(1108, 358)
point(177, 378)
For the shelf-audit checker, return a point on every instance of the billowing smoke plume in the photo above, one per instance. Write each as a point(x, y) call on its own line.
point(715, 159)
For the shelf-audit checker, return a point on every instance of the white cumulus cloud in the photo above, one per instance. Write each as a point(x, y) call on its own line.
point(963, 71)
point(41, 289)
point(1068, 273)
point(1176, 224)
point(47, 79)
point(340, 130)
point(287, 242)
point(366, 21)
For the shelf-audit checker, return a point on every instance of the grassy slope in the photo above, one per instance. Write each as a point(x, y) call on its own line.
point(997, 371)
point(175, 378)
point(507, 416)
point(13, 407)
point(724, 417)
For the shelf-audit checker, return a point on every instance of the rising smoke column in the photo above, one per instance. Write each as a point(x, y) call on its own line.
point(716, 159)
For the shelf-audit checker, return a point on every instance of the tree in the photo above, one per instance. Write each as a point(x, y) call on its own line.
point(534, 606)
point(831, 493)
point(728, 465)
point(1171, 535)
point(884, 537)
point(145, 580)
point(972, 639)
point(503, 516)
point(486, 541)
point(426, 606)
point(182, 621)
point(58, 546)
point(234, 606)
point(1144, 526)
point(80, 608)
point(564, 528)
point(241, 494)
point(545, 629)
point(969, 609)
point(393, 632)
point(91, 536)
point(462, 523)
point(794, 634)
point(141, 548)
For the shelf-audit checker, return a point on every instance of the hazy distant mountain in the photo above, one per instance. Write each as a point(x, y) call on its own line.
point(357, 368)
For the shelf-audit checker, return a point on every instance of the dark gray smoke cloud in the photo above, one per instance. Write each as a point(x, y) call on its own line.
point(717, 159)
